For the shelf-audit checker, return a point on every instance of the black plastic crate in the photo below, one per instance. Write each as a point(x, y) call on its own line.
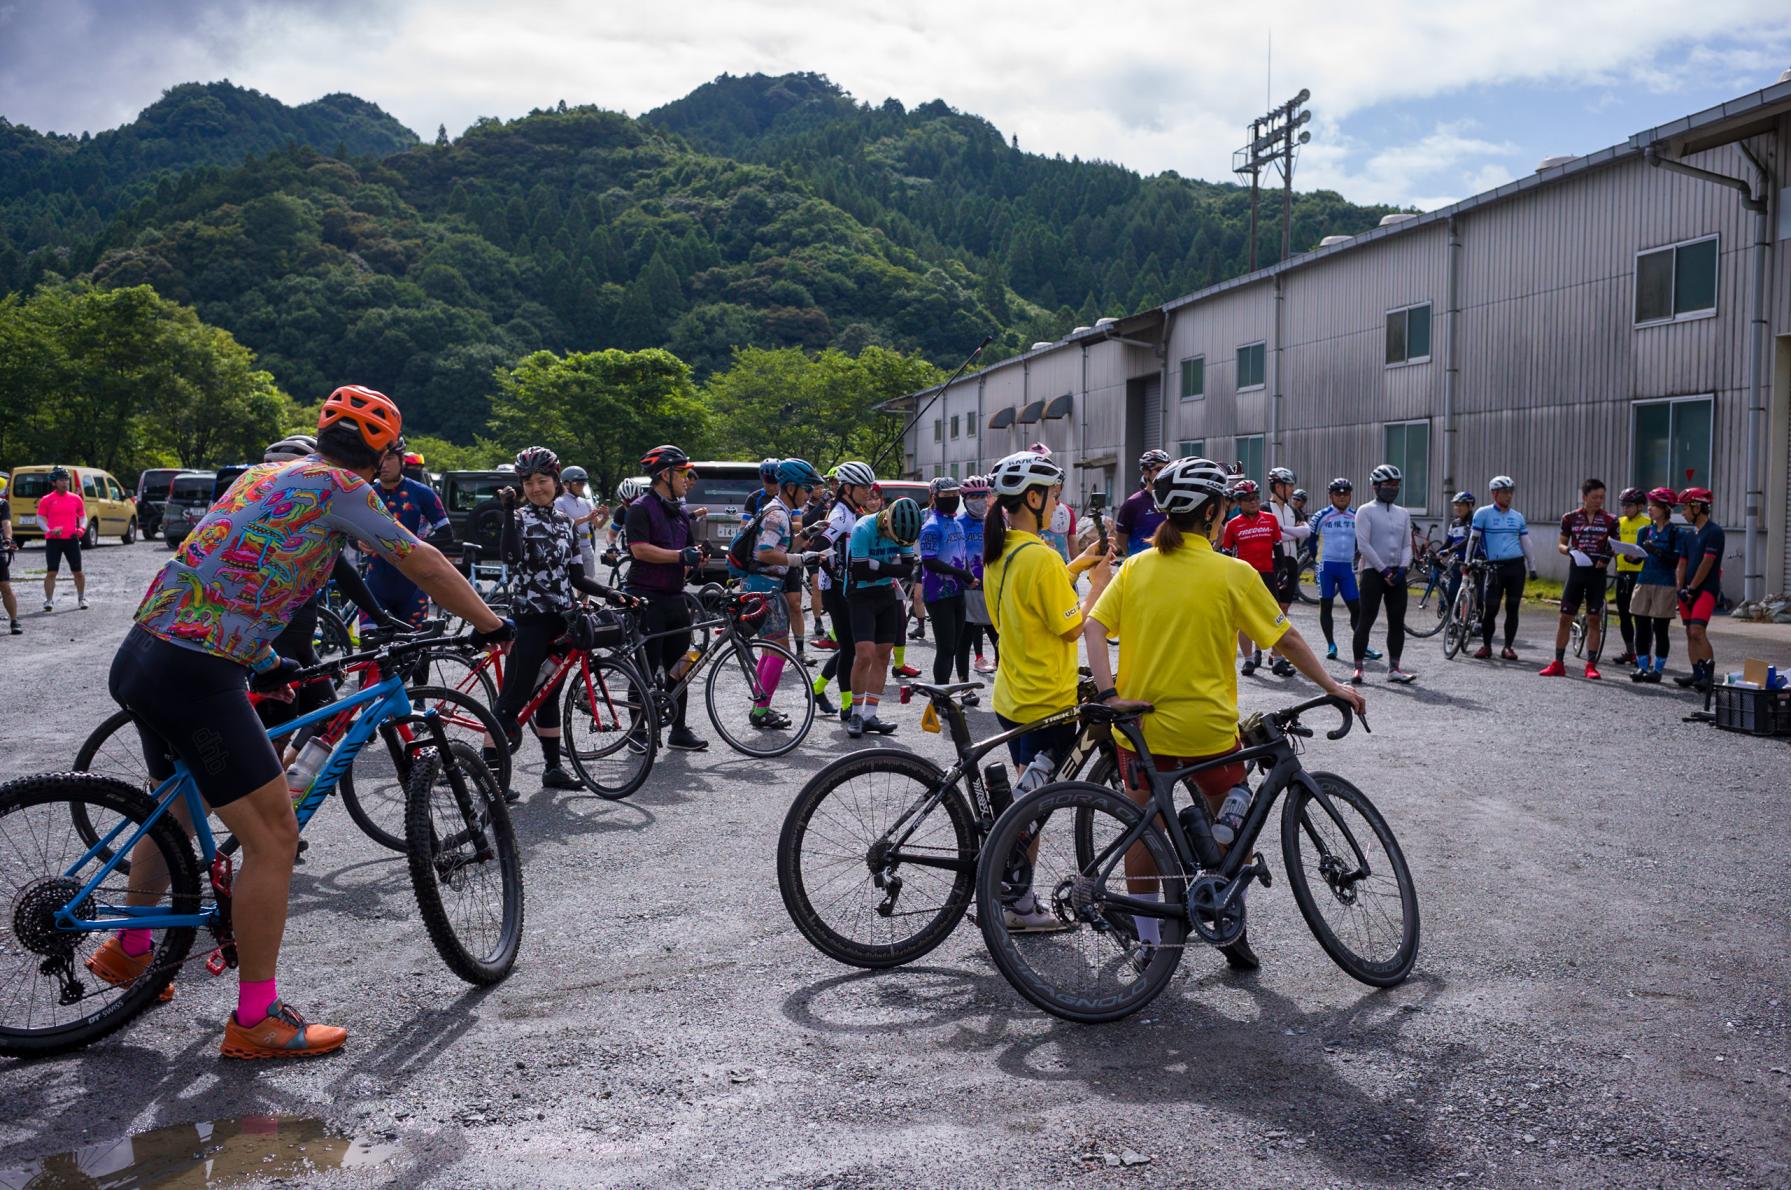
point(1756, 712)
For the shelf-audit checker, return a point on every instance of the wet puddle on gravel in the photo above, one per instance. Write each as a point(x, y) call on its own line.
point(212, 1153)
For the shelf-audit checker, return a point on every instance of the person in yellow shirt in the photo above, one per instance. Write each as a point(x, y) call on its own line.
point(1629, 528)
point(1031, 595)
point(1178, 609)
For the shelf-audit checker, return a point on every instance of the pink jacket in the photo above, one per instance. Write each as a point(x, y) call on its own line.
point(62, 515)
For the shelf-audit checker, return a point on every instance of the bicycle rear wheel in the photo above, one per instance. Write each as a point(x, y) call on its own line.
point(740, 681)
point(852, 892)
point(50, 1002)
point(455, 669)
point(1458, 624)
point(1350, 880)
point(1308, 581)
point(610, 732)
point(464, 864)
point(373, 787)
point(1093, 968)
point(1430, 612)
point(113, 749)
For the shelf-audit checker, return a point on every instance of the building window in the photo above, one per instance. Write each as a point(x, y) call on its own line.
point(1194, 378)
point(1671, 447)
point(938, 429)
point(970, 426)
point(1192, 448)
point(1250, 373)
point(954, 425)
point(1408, 448)
point(1408, 335)
point(1250, 456)
point(1677, 281)
point(954, 470)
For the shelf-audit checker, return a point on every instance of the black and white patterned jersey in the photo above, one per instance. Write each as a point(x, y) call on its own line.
point(546, 547)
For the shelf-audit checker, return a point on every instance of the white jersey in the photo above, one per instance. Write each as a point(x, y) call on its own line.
point(837, 533)
point(576, 507)
point(1294, 528)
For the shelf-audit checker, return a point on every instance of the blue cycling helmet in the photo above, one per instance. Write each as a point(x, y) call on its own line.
point(797, 472)
point(768, 468)
point(1464, 498)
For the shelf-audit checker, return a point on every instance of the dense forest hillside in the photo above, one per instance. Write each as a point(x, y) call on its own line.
point(755, 212)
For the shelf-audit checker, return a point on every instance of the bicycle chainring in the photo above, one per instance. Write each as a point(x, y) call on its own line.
point(1216, 925)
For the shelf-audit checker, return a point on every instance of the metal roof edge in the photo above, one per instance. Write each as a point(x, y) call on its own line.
point(1740, 106)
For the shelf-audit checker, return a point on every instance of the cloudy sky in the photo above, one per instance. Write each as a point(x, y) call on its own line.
point(1414, 103)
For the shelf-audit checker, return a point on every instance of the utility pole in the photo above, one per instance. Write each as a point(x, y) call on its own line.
point(1275, 139)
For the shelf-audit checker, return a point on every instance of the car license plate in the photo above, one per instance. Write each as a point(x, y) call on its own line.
point(29, 522)
point(726, 532)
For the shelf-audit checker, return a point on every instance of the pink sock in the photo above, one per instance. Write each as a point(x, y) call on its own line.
point(136, 942)
point(253, 998)
point(770, 673)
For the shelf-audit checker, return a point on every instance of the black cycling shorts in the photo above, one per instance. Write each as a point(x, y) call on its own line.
point(1584, 583)
point(793, 579)
point(5, 564)
point(1287, 579)
point(876, 616)
point(58, 548)
point(194, 706)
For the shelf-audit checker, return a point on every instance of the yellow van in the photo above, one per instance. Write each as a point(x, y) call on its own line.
point(111, 511)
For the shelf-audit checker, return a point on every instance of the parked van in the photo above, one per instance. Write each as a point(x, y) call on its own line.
point(111, 511)
point(722, 488)
point(189, 497)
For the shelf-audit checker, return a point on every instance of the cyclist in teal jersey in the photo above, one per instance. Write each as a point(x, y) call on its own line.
point(881, 551)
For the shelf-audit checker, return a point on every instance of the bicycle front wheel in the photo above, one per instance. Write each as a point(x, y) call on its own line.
point(1430, 611)
point(1308, 581)
point(373, 787)
point(873, 869)
point(1350, 880)
point(1091, 965)
point(454, 669)
point(759, 698)
point(1459, 624)
point(611, 734)
point(464, 865)
point(53, 1002)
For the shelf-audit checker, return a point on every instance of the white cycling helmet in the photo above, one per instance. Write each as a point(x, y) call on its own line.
point(859, 475)
point(1023, 470)
point(630, 490)
point(1502, 483)
point(1385, 473)
point(294, 446)
point(1187, 485)
point(1282, 475)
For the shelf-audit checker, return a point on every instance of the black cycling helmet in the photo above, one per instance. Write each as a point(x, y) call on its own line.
point(663, 458)
point(1299, 496)
point(901, 521)
point(1341, 484)
point(57, 473)
point(1631, 496)
point(537, 460)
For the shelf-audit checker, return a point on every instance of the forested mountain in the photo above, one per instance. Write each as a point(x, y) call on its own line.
point(754, 212)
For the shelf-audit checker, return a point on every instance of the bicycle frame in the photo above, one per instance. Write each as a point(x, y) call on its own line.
point(381, 703)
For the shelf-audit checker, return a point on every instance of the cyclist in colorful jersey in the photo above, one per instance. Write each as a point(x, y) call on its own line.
point(1189, 602)
point(975, 493)
point(1656, 595)
point(415, 506)
point(8, 547)
point(184, 671)
point(1499, 534)
point(777, 552)
point(1253, 537)
point(539, 543)
point(1700, 578)
point(1334, 528)
point(1629, 530)
point(662, 541)
point(1384, 550)
point(853, 485)
point(944, 577)
point(62, 514)
point(881, 552)
point(1138, 518)
point(1586, 535)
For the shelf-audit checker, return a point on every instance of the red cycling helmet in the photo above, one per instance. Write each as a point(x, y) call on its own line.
point(663, 458)
point(1697, 496)
point(1665, 496)
point(1244, 487)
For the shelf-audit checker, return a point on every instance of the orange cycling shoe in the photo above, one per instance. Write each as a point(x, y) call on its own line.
point(121, 970)
point(284, 1034)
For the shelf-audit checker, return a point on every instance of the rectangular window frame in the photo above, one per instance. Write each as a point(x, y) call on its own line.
point(1410, 491)
point(1676, 315)
point(938, 429)
point(1675, 477)
point(1405, 312)
point(1256, 468)
point(1195, 391)
point(970, 420)
point(1192, 448)
point(1261, 381)
point(955, 418)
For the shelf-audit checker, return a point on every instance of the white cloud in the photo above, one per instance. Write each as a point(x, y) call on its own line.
point(1156, 89)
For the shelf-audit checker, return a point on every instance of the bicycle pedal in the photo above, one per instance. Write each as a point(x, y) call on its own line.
point(215, 962)
point(1262, 870)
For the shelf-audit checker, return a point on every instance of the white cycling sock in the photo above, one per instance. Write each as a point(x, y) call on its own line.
point(1150, 929)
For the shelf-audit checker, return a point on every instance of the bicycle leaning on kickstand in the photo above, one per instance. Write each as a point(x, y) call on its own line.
point(1101, 862)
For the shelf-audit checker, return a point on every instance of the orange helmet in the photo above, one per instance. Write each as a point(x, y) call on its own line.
point(372, 413)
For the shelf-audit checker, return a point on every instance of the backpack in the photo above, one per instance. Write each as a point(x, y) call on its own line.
point(742, 548)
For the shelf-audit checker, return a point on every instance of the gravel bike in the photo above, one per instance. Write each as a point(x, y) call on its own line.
point(1101, 862)
point(67, 895)
point(1465, 609)
point(877, 857)
point(735, 661)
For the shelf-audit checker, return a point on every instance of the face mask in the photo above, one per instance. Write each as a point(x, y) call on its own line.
point(947, 505)
point(1386, 493)
point(1060, 520)
point(976, 508)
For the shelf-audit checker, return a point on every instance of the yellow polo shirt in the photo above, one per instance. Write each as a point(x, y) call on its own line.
point(1177, 616)
point(1627, 529)
point(1031, 605)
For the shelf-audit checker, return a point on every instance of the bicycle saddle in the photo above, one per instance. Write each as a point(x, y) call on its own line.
point(932, 691)
point(1096, 712)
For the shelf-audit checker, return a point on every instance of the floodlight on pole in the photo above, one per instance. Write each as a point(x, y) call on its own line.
point(1275, 138)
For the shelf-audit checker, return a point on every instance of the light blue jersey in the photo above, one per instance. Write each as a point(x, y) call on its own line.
point(1501, 533)
point(1335, 529)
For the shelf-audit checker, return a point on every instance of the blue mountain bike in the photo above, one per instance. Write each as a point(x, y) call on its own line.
point(67, 893)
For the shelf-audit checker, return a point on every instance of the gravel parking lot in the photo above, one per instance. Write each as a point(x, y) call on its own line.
point(1602, 997)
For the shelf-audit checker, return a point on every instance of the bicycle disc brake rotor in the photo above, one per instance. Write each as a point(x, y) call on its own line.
point(34, 910)
point(1219, 926)
point(1339, 877)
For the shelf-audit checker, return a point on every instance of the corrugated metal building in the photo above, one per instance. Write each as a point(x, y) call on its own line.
point(1602, 316)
